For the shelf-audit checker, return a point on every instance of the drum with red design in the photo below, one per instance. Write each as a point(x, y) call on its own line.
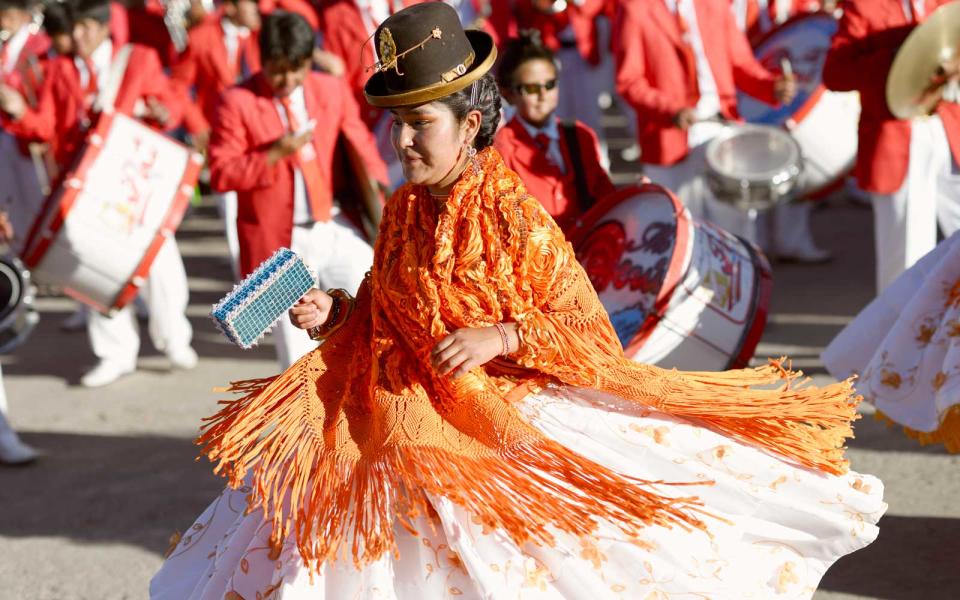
point(824, 123)
point(680, 292)
point(102, 229)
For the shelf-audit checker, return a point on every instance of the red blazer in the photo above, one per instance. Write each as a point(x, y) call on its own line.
point(581, 18)
point(652, 76)
point(28, 72)
point(204, 67)
point(860, 57)
point(57, 117)
point(345, 35)
point(246, 124)
point(500, 22)
point(556, 191)
point(119, 24)
point(147, 29)
point(302, 7)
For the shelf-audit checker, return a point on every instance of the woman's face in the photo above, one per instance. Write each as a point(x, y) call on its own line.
point(429, 141)
point(529, 94)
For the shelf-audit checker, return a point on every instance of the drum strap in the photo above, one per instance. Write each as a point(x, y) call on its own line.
point(108, 95)
point(585, 199)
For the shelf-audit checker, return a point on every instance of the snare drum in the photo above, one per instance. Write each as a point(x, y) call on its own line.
point(680, 292)
point(824, 123)
point(17, 314)
point(753, 167)
point(102, 230)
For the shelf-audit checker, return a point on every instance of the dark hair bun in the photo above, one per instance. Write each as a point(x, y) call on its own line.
point(483, 96)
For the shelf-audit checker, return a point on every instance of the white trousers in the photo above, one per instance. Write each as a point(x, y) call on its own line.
point(788, 233)
point(5, 427)
point(227, 207)
point(905, 222)
point(117, 338)
point(20, 194)
point(340, 256)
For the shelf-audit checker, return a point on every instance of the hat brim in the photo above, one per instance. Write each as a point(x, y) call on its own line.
point(377, 94)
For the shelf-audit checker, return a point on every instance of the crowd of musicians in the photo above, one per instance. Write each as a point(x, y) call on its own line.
point(271, 92)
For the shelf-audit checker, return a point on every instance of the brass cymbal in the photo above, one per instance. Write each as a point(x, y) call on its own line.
point(911, 87)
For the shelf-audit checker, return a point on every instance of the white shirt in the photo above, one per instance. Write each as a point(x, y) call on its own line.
point(13, 48)
point(551, 129)
point(101, 59)
point(709, 104)
point(232, 35)
point(301, 204)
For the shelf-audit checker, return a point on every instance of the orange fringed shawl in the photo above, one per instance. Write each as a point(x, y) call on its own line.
point(356, 433)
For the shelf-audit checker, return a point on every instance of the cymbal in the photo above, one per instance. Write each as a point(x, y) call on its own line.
point(934, 42)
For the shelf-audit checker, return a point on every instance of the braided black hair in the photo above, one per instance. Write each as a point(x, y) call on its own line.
point(482, 95)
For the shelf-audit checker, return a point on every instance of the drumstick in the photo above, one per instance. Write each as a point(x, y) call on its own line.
point(786, 67)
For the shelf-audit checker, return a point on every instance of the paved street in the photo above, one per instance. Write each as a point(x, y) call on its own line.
point(92, 518)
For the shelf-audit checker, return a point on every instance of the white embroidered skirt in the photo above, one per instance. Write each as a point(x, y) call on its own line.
point(775, 529)
point(905, 348)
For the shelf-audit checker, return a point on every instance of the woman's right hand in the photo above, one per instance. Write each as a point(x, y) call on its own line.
point(312, 310)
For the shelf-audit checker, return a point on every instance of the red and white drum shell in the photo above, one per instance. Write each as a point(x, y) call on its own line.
point(824, 123)
point(680, 292)
point(102, 229)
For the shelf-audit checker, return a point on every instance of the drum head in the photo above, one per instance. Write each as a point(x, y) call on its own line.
point(754, 154)
point(804, 40)
point(634, 246)
point(11, 286)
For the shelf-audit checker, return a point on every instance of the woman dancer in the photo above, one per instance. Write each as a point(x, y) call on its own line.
point(471, 428)
point(905, 348)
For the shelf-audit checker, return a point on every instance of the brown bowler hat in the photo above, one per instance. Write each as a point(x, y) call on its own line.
point(423, 54)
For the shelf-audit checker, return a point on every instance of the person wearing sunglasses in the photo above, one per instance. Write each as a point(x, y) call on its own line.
point(558, 160)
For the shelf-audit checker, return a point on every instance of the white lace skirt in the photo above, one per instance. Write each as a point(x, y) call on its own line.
point(775, 529)
point(905, 347)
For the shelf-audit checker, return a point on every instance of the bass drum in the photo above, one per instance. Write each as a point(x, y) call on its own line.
point(17, 314)
point(680, 292)
point(824, 123)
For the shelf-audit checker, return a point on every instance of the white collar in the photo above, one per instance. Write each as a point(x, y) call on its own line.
point(232, 29)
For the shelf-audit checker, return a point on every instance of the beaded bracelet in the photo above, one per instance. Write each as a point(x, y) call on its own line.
point(504, 340)
point(340, 310)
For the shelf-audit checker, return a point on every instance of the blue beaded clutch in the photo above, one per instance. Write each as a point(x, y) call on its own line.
point(256, 304)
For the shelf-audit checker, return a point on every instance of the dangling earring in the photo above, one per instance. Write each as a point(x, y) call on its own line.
point(471, 152)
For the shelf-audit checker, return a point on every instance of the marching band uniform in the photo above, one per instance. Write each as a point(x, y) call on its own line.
point(668, 59)
point(219, 54)
point(574, 36)
point(145, 20)
point(62, 114)
point(909, 168)
point(21, 58)
point(290, 204)
point(542, 159)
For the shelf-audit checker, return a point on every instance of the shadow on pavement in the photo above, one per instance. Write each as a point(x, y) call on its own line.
point(914, 558)
point(107, 489)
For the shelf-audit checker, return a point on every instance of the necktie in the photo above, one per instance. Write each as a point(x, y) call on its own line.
point(318, 190)
point(243, 47)
point(689, 60)
point(90, 94)
point(543, 141)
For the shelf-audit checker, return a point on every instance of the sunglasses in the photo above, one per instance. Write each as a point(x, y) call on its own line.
point(529, 89)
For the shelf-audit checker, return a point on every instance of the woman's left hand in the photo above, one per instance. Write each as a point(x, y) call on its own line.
point(466, 349)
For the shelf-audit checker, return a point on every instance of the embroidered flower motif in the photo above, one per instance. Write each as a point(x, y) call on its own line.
point(925, 335)
point(786, 578)
point(953, 295)
point(953, 328)
point(939, 380)
point(590, 551)
point(536, 575)
point(174, 541)
point(891, 379)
